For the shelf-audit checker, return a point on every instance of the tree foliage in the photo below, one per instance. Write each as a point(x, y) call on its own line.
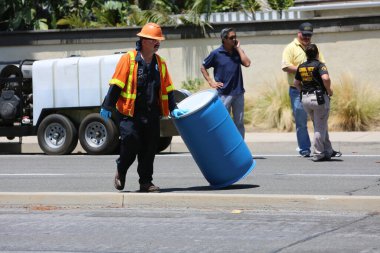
point(280, 5)
point(19, 15)
point(63, 14)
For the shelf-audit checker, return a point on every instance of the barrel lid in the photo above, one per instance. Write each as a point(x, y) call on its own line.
point(197, 101)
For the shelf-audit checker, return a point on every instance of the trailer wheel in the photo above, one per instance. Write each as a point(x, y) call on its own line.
point(164, 143)
point(98, 137)
point(57, 135)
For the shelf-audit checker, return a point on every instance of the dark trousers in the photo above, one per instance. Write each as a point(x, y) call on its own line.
point(139, 137)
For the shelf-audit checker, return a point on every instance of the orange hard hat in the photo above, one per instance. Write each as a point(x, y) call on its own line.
point(151, 31)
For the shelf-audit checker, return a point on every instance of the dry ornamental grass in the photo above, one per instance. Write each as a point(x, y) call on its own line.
point(271, 107)
point(354, 107)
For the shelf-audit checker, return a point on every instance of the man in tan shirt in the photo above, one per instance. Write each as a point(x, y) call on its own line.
point(292, 56)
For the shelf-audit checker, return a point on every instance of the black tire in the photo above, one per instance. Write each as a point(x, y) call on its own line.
point(11, 71)
point(97, 136)
point(57, 135)
point(164, 143)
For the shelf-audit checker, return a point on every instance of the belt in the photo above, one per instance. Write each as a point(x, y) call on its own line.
point(308, 92)
point(312, 92)
point(292, 87)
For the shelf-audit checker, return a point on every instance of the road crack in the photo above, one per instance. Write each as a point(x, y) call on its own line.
point(309, 238)
point(377, 184)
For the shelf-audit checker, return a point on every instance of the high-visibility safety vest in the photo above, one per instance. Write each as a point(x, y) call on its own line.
point(125, 77)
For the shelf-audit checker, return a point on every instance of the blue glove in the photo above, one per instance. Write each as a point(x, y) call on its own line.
point(176, 113)
point(105, 114)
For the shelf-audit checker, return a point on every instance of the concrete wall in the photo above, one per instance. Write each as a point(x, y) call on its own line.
point(352, 48)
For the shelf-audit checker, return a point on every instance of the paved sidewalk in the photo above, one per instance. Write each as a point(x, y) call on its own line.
point(291, 137)
point(373, 136)
point(279, 143)
point(258, 142)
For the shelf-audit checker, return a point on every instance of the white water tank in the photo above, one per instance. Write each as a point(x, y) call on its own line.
point(71, 82)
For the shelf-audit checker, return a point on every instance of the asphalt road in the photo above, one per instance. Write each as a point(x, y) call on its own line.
point(211, 227)
point(178, 173)
point(187, 230)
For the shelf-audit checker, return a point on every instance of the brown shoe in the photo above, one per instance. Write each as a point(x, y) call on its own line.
point(119, 182)
point(149, 187)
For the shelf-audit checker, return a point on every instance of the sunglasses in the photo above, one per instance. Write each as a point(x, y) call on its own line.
point(151, 40)
point(307, 35)
point(232, 38)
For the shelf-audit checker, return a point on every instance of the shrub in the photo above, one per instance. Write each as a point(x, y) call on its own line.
point(354, 106)
point(192, 85)
point(271, 106)
point(248, 110)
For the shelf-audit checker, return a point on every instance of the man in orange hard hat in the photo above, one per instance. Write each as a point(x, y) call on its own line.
point(141, 90)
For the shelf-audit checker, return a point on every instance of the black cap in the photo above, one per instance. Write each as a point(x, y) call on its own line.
point(306, 28)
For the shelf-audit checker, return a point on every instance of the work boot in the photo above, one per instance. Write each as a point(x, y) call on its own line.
point(119, 181)
point(149, 187)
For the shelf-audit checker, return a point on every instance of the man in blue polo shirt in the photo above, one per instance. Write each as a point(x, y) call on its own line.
point(228, 79)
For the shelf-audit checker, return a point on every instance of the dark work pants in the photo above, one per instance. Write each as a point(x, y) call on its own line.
point(139, 137)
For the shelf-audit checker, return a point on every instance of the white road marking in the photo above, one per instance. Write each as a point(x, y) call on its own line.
point(185, 154)
point(325, 175)
point(341, 157)
point(266, 155)
point(30, 174)
point(271, 174)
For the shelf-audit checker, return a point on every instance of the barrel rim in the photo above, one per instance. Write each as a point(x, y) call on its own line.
point(231, 182)
point(215, 94)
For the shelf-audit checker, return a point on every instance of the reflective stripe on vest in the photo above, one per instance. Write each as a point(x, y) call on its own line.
point(127, 98)
point(128, 94)
point(164, 89)
point(117, 82)
point(170, 87)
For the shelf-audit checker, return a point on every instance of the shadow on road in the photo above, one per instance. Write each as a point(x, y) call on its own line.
point(209, 188)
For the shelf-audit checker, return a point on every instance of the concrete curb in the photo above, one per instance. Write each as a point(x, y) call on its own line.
point(176, 200)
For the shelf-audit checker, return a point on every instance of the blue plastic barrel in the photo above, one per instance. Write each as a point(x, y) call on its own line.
point(213, 139)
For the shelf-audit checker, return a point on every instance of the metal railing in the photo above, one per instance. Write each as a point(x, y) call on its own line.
point(249, 17)
point(292, 13)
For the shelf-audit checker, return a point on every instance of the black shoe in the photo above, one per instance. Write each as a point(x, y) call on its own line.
point(119, 181)
point(336, 154)
point(149, 187)
point(314, 159)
